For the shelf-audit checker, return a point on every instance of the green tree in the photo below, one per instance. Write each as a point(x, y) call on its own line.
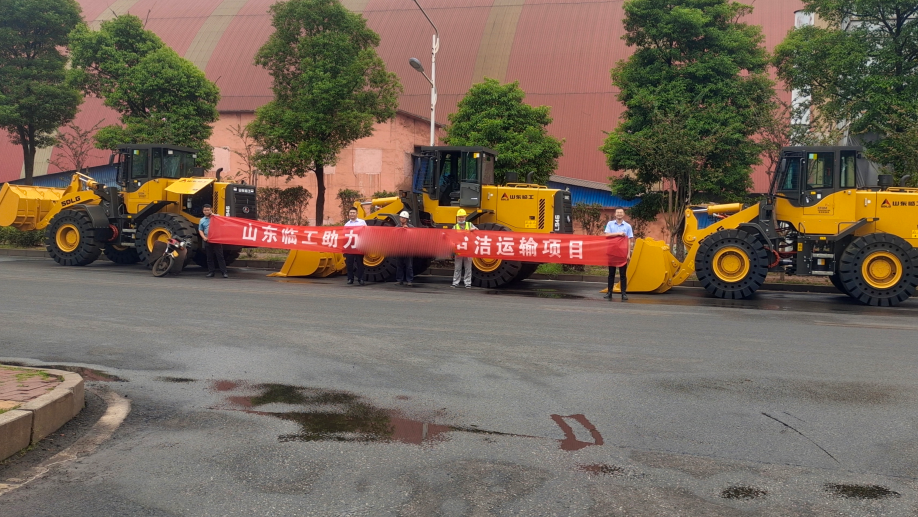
point(162, 97)
point(494, 115)
point(330, 88)
point(35, 99)
point(697, 95)
point(860, 69)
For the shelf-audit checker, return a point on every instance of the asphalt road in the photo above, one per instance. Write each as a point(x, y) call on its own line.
point(261, 396)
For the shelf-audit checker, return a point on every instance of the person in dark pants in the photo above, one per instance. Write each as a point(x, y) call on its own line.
point(404, 267)
point(352, 261)
point(619, 228)
point(211, 249)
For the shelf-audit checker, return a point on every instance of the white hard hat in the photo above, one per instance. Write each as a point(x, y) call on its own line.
point(404, 214)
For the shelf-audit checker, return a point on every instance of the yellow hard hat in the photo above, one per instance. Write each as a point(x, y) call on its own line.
point(461, 213)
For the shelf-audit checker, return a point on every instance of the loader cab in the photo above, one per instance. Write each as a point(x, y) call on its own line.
point(138, 164)
point(453, 176)
point(807, 175)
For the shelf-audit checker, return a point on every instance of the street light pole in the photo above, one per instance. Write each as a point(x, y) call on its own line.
point(434, 47)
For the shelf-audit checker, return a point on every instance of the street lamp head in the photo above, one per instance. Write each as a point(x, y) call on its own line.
point(416, 64)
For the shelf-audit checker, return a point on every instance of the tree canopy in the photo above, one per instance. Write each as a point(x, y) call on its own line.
point(162, 97)
point(861, 69)
point(330, 88)
point(494, 115)
point(697, 82)
point(35, 99)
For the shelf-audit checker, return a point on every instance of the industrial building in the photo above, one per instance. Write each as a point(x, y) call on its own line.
point(560, 51)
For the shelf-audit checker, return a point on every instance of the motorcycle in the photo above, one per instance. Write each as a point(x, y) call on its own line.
point(172, 257)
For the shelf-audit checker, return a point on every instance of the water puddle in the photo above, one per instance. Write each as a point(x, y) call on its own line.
point(537, 293)
point(330, 415)
point(861, 491)
point(175, 379)
point(743, 493)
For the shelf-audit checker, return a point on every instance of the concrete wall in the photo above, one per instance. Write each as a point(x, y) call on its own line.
point(379, 162)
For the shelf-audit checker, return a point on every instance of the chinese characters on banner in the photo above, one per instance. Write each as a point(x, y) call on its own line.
point(423, 242)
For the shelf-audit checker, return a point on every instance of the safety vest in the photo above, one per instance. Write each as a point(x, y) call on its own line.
point(468, 226)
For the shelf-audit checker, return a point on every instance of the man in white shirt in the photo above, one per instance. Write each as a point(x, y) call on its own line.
point(353, 261)
point(619, 228)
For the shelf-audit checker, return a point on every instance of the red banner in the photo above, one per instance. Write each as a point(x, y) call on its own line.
point(559, 248)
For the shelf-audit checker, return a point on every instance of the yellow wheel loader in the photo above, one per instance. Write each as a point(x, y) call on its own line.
point(828, 213)
point(446, 179)
point(159, 194)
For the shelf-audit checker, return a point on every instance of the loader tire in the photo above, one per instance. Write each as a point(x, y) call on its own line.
point(379, 268)
point(161, 227)
point(731, 264)
point(879, 269)
point(491, 273)
point(121, 254)
point(527, 269)
point(71, 239)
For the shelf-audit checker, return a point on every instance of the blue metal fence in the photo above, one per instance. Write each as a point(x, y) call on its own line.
point(608, 200)
point(103, 174)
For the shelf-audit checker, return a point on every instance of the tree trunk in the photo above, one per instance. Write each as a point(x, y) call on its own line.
point(28, 154)
point(320, 194)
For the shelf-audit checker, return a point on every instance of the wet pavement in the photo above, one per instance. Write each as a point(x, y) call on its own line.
point(256, 395)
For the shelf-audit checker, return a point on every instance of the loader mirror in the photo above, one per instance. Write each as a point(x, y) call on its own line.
point(782, 166)
point(111, 159)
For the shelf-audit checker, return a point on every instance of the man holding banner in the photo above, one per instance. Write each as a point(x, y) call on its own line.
point(618, 228)
point(353, 262)
point(404, 267)
point(462, 261)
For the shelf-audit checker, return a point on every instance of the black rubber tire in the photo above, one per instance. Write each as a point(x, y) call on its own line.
point(88, 248)
point(124, 256)
point(420, 265)
point(505, 274)
point(527, 269)
point(836, 281)
point(385, 270)
point(229, 256)
point(852, 260)
point(755, 252)
point(162, 265)
point(177, 226)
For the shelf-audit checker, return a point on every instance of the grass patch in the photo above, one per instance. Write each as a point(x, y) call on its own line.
point(566, 269)
point(24, 374)
point(2, 410)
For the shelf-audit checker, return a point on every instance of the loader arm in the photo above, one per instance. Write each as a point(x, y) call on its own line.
point(692, 236)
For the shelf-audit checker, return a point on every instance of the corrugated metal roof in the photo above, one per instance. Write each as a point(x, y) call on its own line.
point(597, 185)
point(561, 51)
point(177, 22)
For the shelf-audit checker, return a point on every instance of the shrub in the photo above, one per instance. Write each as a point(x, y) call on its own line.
point(589, 217)
point(12, 237)
point(348, 197)
point(283, 206)
point(384, 193)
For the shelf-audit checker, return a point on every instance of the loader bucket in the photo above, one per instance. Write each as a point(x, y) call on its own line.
point(24, 206)
point(651, 268)
point(310, 263)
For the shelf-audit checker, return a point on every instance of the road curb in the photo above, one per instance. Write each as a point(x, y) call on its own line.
point(39, 417)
